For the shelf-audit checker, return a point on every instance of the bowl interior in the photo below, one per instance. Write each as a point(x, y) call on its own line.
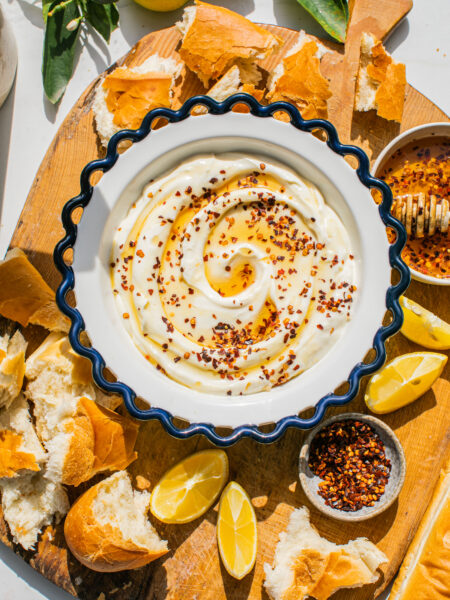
point(415, 134)
point(394, 453)
point(161, 151)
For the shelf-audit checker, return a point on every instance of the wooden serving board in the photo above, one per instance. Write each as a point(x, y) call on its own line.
point(269, 473)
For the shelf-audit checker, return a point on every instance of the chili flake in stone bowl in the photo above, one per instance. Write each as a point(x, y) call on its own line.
point(352, 467)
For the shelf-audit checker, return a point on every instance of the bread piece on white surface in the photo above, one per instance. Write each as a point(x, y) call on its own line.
point(12, 367)
point(20, 448)
point(30, 503)
point(104, 118)
point(381, 82)
point(308, 565)
point(216, 38)
point(107, 528)
point(24, 295)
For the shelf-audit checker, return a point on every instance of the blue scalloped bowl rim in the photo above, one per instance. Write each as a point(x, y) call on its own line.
point(77, 323)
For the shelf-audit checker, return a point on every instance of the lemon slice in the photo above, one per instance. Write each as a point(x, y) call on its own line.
point(187, 490)
point(423, 327)
point(403, 380)
point(237, 535)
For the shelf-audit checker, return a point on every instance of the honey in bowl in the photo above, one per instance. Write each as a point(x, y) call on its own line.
point(423, 166)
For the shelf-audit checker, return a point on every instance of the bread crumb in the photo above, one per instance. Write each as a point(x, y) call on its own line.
point(142, 483)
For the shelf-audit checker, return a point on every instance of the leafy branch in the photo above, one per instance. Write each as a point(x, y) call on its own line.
point(332, 15)
point(63, 21)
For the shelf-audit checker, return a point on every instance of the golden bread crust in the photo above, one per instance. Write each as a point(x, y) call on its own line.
point(114, 437)
point(302, 83)
point(12, 459)
point(101, 548)
point(219, 37)
point(424, 574)
point(24, 295)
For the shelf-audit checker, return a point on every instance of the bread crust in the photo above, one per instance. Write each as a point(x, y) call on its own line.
point(219, 38)
point(302, 83)
point(102, 547)
point(114, 437)
point(12, 458)
point(425, 571)
point(24, 295)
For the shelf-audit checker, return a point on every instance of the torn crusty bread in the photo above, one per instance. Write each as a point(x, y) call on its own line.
point(57, 378)
point(107, 528)
point(20, 448)
point(127, 94)
point(24, 295)
point(308, 565)
point(81, 437)
point(30, 503)
point(298, 79)
point(231, 83)
point(381, 82)
point(12, 367)
point(425, 572)
point(215, 39)
point(92, 441)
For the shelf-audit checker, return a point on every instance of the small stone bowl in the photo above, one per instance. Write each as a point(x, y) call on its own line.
point(394, 452)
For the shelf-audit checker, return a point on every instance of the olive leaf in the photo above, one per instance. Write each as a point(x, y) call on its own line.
point(103, 17)
point(63, 20)
point(332, 15)
point(61, 33)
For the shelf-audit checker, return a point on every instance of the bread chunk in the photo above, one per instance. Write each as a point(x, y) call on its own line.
point(215, 39)
point(107, 528)
point(127, 94)
point(381, 82)
point(308, 565)
point(20, 448)
point(425, 572)
point(30, 503)
point(298, 79)
point(25, 297)
point(12, 367)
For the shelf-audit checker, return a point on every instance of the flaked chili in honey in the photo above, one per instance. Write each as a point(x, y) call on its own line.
point(423, 166)
point(350, 458)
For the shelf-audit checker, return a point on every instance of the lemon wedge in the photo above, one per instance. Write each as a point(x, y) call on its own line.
point(188, 490)
point(237, 535)
point(403, 380)
point(423, 327)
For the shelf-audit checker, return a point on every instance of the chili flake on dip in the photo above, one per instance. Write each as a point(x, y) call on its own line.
point(232, 275)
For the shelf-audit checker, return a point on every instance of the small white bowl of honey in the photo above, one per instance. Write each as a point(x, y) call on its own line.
point(416, 166)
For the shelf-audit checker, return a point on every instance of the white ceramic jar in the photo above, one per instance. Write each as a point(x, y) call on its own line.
point(8, 57)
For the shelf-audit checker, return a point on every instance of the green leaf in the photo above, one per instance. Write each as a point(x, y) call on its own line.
point(59, 47)
point(332, 15)
point(45, 8)
point(103, 17)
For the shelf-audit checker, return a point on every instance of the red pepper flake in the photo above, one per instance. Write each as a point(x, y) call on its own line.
point(350, 458)
point(126, 316)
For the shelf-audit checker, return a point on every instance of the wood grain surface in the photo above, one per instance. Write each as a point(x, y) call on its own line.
point(192, 569)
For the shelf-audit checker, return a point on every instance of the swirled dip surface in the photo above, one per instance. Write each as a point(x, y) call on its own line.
point(232, 275)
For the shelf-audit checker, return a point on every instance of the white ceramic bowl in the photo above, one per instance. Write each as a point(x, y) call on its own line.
point(416, 133)
point(161, 151)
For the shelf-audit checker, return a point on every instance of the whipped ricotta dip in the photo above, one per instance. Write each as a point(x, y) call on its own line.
point(232, 275)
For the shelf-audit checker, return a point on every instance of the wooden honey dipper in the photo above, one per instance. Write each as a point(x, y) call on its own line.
point(422, 216)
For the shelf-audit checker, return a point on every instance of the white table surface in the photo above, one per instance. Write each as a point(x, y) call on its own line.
point(28, 123)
